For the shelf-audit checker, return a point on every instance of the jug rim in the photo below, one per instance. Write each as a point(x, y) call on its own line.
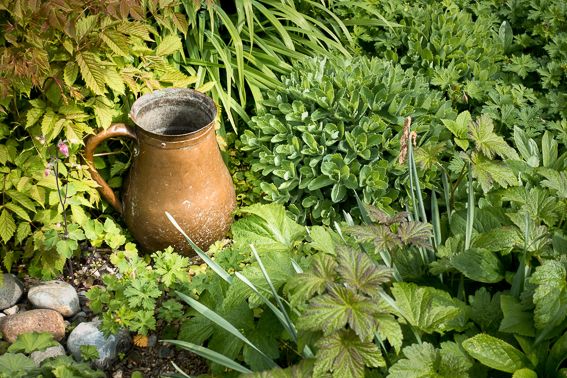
point(178, 95)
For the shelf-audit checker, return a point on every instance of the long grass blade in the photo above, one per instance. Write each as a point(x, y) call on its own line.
point(447, 194)
point(291, 327)
point(470, 210)
point(435, 219)
point(223, 323)
point(180, 371)
point(214, 266)
point(285, 37)
point(210, 355)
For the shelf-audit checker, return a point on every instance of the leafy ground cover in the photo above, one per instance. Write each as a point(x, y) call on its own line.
point(403, 190)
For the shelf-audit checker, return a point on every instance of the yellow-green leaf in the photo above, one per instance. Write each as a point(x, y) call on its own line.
point(206, 87)
point(114, 81)
point(33, 115)
point(92, 72)
point(70, 73)
point(7, 226)
point(169, 45)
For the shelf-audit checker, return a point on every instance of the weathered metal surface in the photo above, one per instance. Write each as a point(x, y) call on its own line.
point(177, 167)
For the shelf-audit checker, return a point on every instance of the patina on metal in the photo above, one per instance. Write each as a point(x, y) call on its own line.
point(177, 167)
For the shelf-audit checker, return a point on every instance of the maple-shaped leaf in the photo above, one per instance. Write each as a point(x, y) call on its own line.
point(342, 306)
point(430, 310)
point(415, 233)
point(488, 142)
point(424, 360)
point(389, 329)
point(550, 296)
point(314, 281)
point(360, 272)
point(142, 293)
point(32, 342)
point(382, 237)
point(488, 172)
point(345, 355)
point(379, 216)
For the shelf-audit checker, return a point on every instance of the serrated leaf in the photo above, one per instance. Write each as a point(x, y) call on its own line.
point(22, 199)
point(424, 360)
point(70, 73)
point(415, 233)
point(85, 25)
point(33, 116)
point(92, 71)
point(346, 355)
point(7, 226)
point(333, 311)
point(116, 41)
point(389, 329)
point(314, 281)
point(361, 273)
point(488, 142)
point(168, 45)
point(32, 342)
point(428, 309)
point(114, 80)
point(104, 112)
point(479, 265)
point(22, 232)
point(485, 310)
point(20, 212)
point(48, 122)
point(550, 296)
point(495, 353)
point(14, 364)
point(322, 240)
point(206, 87)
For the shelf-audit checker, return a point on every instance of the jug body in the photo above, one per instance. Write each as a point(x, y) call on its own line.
point(177, 167)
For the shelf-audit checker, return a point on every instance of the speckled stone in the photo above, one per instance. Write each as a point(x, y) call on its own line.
point(40, 320)
point(55, 295)
point(11, 290)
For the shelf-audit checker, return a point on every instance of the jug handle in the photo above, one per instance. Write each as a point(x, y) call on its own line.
point(115, 130)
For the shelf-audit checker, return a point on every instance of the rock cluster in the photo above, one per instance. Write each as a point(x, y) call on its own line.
point(45, 309)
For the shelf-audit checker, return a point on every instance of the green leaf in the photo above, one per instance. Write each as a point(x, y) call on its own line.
point(390, 329)
point(485, 310)
point(22, 232)
point(15, 364)
point(114, 81)
point(33, 116)
point(517, 319)
point(479, 265)
point(314, 281)
point(459, 128)
point(550, 296)
point(495, 353)
point(92, 71)
point(346, 355)
point(424, 360)
point(7, 226)
point(267, 227)
point(322, 239)
point(524, 373)
point(361, 273)
point(70, 73)
point(333, 311)
point(18, 211)
point(490, 144)
point(32, 342)
point(169, 45)
point(430, 310)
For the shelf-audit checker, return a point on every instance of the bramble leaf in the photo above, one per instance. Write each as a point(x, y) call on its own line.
point(345, 355)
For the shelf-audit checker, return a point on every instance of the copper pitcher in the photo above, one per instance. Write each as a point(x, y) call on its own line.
point(177, 167)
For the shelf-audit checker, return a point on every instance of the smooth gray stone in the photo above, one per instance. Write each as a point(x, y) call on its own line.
point(11, 290)
point(55, 295)
point(40, 355)
point(88, 333)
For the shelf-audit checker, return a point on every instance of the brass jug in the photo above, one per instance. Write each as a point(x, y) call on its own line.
point(177, 167)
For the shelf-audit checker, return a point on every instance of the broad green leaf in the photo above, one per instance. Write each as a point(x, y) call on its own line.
point(169, 45)
point(15, 364)
point(430, 310)
point(479, 265)
point(488, 142)
point(346, 355)
point(460, 127)
point(501, 239)
point(517, 319)
point(485, 309)
point(92, 71)
point(267, 227)
point(18, 211)
point(361, 273)
point(33, 116)
point(32, 342)
point(114, 81)
point(322, 239)
point(550, 296)
point(313, 281)
point(424, 360)
point(7, 226)
point(389, 329)
point(342, 306)
point(495, 353)
point(22, 232)
point(524, 373)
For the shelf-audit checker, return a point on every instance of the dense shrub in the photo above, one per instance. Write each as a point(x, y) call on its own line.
point(334, 130)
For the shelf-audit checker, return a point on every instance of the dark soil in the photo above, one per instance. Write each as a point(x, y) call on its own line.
point(153, 360)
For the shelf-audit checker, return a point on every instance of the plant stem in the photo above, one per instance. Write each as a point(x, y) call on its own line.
point(56, 169)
